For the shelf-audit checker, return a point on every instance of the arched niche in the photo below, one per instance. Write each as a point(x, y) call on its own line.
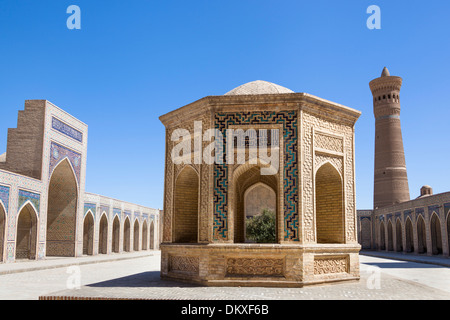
point(329, 205)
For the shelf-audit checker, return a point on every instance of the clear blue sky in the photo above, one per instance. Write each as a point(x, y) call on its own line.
point(133, 61)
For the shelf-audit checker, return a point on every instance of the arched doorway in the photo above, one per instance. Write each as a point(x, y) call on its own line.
point(329, 205)
point(2, 230)
point(103, 235)
point(116, 235)
point(382, 236)
point(88, 234)
point(62, 211)
point(398, 236)
point(258, 198)
point(436, 235)
point(421, 235)
point(249, 188)
point(126, 235)
point(185, 220)
point(136, 235)
point(152, 236)
point(144, 236)
point(409, 236)
point(390, 240)
point(26, 238)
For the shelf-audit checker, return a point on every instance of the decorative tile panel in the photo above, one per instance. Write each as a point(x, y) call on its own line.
point(420, 211)
point(184, 264)
point(104, 208)
point(255, 267)
point(34, 198)
point(446, 208)
point(4, 197)
point(58, 153)
point(90, 206)
point(326, 265)
point(290, 126)
point(67, 130)
point(117, 212)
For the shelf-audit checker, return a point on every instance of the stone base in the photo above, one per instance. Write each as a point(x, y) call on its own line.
point(259, 265)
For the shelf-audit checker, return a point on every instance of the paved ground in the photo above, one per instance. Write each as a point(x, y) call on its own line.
point(136, 276)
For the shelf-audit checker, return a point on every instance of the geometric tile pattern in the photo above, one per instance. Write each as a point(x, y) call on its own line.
point(289, 120)
point(408, 213)
point(420, 211)
point(58, 152)
point(4, 197)
point(34, 198)
point(433, 208)
point(90, 206)
point(446, 208)
point(117, 212)
point(104, 208)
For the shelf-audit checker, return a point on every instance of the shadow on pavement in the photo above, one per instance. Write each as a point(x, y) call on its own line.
point(401, 265)
point(140, 280)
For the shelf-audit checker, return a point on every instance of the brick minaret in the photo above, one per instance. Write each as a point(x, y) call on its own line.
point(390, 177)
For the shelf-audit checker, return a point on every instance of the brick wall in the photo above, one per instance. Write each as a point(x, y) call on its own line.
point(61, 215)
point(26, 234)
point(259, 198)
point(329, 208)
point(24, 143)
point(186, 206)
point(103, 235)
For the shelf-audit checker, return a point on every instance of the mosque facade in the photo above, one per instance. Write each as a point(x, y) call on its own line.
point(44, 209)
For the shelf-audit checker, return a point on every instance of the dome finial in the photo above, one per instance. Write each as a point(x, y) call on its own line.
point(385, 72)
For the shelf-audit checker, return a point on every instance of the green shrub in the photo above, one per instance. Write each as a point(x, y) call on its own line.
point(261, 228)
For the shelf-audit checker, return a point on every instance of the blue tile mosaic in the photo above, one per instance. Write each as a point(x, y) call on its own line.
point(291, 180)
point(4, 197)
point(34, 198)
point(67, 130)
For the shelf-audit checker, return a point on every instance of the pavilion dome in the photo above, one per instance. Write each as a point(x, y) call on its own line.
point(258, 87)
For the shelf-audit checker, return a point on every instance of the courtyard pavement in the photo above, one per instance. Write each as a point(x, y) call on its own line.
point(136, 276)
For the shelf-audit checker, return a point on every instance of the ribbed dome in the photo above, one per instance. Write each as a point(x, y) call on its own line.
point(258, 87)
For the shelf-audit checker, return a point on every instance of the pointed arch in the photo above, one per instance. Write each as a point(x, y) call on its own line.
point(328, 162)
point(126, 235)
point(421, 235)
point(398, 235)
point(88, 233)
point(264, 193)
point(186, 202)
point(436, 234)
point(144, 235)
point(103, 234)
point(152, 235)
point(390, 236)
point(246, 179)
point(65, 159)
point(2, 229)
point(329, 205)
point(62, 210)
point(26, 235)
point(136, 235)
point(382, 242)
point(116, 234)
point(409, 235)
